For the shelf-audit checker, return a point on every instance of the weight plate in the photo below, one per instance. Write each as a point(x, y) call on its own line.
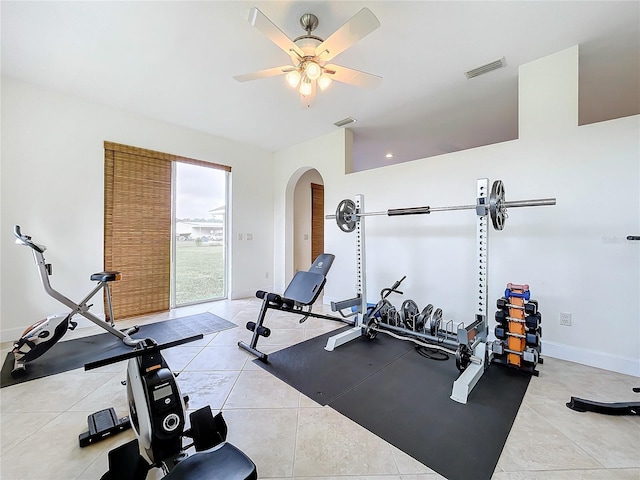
point(345, 215)
point(384, 311)
point(424, 318)
point(409, 311)
point(436, 320)
point(393, 317)
point(496, 205)
point(463, 357)
point(371, 331)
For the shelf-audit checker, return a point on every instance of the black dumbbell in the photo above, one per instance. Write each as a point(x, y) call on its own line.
point(532, 321)
point(532, 339)
point(530, 308)
point(501, 318)
point(500, 332)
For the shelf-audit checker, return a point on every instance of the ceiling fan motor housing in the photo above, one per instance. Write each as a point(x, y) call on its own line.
point(309, 22)
point(308, 45)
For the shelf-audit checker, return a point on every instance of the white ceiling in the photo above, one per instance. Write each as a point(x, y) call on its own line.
point(174, 61)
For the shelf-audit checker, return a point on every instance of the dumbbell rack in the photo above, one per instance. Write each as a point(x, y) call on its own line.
point(518, 332)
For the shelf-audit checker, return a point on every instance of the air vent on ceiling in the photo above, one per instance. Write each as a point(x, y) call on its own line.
point(489, 67)
point(345, 121)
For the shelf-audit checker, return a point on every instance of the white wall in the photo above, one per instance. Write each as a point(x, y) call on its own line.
point(573, 255)
point(327, 155)
point(52, 185)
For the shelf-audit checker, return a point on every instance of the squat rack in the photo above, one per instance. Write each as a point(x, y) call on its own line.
point(473, 353)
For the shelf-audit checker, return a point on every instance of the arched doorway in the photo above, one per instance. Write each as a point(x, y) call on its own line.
point(308, 219)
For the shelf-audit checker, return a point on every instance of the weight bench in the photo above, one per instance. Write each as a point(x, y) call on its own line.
point(302, 292)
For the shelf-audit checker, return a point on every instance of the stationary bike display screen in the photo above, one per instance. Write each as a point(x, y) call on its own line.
point(162, 392)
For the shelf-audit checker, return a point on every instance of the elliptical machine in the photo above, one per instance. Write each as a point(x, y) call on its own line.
point(45, 333)
point(158, 416)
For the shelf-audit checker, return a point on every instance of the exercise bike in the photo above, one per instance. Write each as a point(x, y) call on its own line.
point(158, 415)
point(44, 334)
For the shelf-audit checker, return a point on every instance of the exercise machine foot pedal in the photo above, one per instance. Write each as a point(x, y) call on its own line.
point(207, 431)
point(126, 463)
point(103, 424)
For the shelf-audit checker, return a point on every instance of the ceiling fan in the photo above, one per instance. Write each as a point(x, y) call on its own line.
point(310, 54)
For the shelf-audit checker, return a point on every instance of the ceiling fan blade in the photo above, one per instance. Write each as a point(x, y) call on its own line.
point(351, 76)
point(260, 21)
point(269, 72)
point(359, 26)
point(308, 101)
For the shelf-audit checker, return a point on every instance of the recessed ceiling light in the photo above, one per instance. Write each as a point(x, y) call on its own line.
point(389, 155)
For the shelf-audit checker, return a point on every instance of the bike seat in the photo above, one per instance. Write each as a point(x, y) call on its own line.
point(106, 276)
point(222, 462)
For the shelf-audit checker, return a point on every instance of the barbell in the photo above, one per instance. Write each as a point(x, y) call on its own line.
point(347, 217)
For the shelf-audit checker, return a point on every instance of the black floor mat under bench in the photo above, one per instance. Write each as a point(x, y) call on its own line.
point(388, 388)
point(310, 369)
point(71, 354)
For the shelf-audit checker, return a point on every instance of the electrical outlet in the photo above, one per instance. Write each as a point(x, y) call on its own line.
point(565, 319)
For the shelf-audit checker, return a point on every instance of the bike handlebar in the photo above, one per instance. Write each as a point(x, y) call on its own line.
point(26, 240)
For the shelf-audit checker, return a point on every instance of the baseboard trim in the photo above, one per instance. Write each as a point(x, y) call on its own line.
point(593, 358)
point(239, 294)
point(11, 334)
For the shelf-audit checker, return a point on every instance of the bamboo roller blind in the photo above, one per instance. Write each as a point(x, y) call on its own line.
point(137, 226)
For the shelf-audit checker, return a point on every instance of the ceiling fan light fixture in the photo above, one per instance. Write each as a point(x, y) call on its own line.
point(305, 87)
point(293, 78)
point(309, 54)
point(312, 70)
point(323, 82)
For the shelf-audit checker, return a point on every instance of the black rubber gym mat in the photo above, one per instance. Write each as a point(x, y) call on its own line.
point(405, 400)
point(71, 354)
point(323, 376)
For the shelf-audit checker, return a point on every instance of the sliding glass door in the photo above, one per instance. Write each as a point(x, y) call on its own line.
point(199, 260)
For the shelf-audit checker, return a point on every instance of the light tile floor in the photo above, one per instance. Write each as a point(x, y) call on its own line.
point(289, 436)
